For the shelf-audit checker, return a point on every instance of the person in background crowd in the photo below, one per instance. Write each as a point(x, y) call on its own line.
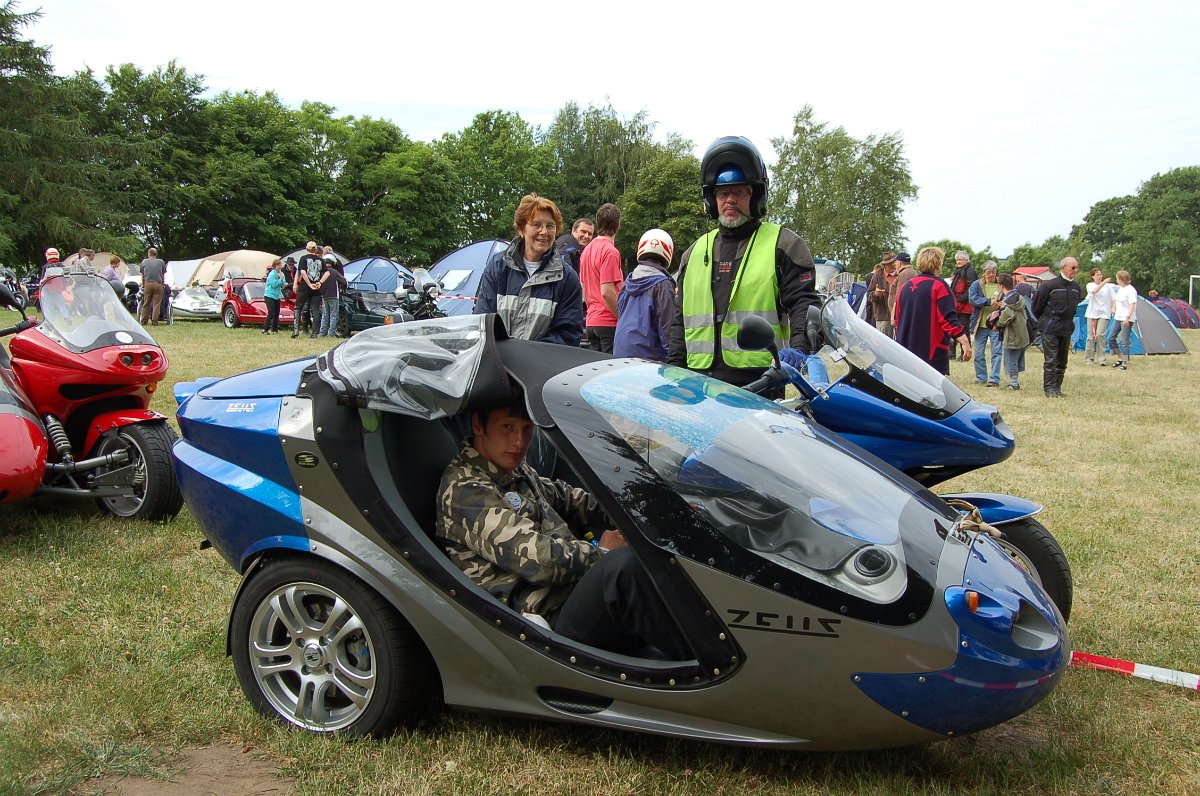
point(904, 272)
point(272, 295)
point(1022, 286)
point(1054, 306)
point(329, 286)
point(288, 272)
point(1014, 332)
point(601, 277)
point(646, 306)
point(154, 272)
point(1098, 314)
point(926, 320)
point(960, 285)
point(1124, 317)
point(747, 266)
point(570, 245)
point(51, 259)
point(308, 275)
point(113, 276)
point(878, 289)
point(534, 292)
point(984, 296)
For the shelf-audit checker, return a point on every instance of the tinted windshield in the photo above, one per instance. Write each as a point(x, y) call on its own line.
point(888, 362)
point(765, 477)
point(82, 312)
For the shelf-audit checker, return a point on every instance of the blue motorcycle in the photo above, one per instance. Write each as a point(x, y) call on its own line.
point(896, 406)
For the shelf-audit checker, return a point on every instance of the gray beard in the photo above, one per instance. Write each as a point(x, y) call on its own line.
point(741, 220)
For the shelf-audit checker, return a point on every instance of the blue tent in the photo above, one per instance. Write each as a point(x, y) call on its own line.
point(460, 272)
point(1152, 332)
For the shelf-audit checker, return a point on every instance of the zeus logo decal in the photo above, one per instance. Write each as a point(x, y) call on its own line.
point(240, 406)
point(821, 627)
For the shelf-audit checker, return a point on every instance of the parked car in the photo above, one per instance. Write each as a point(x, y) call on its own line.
point(243, 301)
point(196, 302)
point(370, 295)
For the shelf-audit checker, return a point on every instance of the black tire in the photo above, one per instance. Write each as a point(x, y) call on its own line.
point(291, 668)
point(343, 325)
point(158, 496)
point(230, 317)
point(1039, 553)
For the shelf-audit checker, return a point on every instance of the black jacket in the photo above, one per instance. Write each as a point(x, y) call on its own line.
point(1054, 306)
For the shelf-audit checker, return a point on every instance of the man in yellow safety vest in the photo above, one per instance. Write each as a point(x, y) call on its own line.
point(747, 266)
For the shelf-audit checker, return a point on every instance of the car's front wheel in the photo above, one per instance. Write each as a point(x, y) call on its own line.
point(231, 317)
point(316, 647)
point(1036, 550)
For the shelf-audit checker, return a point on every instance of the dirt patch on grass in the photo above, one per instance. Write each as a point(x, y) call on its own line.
point(210, 771)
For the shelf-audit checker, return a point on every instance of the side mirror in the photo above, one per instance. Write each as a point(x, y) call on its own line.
point(7, 299)
point(755, 334)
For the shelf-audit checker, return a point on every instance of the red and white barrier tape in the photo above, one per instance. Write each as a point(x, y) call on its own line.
point(1168, 676)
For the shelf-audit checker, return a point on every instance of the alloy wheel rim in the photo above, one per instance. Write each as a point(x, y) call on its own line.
point(312, 656)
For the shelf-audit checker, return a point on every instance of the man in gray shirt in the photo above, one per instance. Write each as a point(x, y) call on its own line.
point(153, 271)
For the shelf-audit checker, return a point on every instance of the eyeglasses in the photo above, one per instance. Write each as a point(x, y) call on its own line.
point(542, 226)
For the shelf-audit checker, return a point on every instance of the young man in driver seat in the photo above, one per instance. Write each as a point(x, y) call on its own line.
point(510, 531)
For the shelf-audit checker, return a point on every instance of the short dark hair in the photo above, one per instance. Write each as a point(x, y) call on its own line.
point(608, 219)
point(516, 408)
point(1005, 280)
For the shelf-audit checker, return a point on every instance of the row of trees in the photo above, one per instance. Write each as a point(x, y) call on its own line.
point(135, 159)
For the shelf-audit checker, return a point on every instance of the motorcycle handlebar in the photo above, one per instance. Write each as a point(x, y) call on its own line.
point(28, 323)
point(771, 378)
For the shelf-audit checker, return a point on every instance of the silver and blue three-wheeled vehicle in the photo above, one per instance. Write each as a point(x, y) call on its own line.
point(829, 601)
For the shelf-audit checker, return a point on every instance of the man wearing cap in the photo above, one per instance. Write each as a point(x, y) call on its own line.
point(877, 292)
point(308, 297)
point(904, 272)
point(746, 266)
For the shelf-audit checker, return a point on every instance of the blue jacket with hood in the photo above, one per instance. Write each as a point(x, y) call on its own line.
point(645, 310)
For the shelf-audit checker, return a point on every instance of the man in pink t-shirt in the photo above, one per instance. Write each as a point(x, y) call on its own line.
point(600, 274)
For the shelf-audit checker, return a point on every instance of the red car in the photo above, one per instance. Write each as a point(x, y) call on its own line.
point(245, 303)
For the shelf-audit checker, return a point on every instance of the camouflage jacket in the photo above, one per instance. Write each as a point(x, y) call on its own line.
point(507, 532)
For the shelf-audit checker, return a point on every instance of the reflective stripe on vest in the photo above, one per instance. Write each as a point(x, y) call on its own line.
point(753, 294)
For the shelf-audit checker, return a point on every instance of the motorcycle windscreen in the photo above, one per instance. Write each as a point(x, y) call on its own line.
point(82, 312)
point(890, 364)
point(767, 478)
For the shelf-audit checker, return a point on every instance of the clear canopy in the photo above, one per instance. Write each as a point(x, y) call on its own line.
point(425, 368)
point(764, 477)
point(81, 310)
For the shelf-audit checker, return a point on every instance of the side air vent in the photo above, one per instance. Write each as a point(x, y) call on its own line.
point(576, 702)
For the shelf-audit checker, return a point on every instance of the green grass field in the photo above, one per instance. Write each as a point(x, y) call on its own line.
point(112, 633)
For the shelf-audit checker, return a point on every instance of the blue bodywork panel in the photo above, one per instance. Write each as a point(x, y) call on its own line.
point(998, 509)
point(907, 440)
point(1012, 650)
point(231, 465)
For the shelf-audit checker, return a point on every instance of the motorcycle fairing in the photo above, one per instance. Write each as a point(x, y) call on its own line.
point(81, 312)
point(997, 509)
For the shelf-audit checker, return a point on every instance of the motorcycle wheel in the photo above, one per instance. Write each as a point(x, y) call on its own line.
point(158, 496)
point(231, 317)
point(1037, 551)
point(315, 647)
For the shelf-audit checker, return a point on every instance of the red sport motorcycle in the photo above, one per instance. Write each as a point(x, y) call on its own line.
point(74, 402)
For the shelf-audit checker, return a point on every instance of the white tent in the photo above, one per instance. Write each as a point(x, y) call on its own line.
point(242, 262)
point(179, 272)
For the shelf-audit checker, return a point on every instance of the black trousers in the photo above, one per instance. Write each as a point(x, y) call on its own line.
point(615, 607)
point(600, 338)
point(305, 300)
point(271, 324)
point(1056, 348)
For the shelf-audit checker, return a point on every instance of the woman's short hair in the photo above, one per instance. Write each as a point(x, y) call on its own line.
point(929, 259)
point(532, 204)
point(1122, 275)
point(957, 254)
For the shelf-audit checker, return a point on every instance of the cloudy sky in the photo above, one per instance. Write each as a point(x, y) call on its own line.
point(1016, 117)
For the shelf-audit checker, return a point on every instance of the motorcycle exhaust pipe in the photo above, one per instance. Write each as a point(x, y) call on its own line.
point(107, 460)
